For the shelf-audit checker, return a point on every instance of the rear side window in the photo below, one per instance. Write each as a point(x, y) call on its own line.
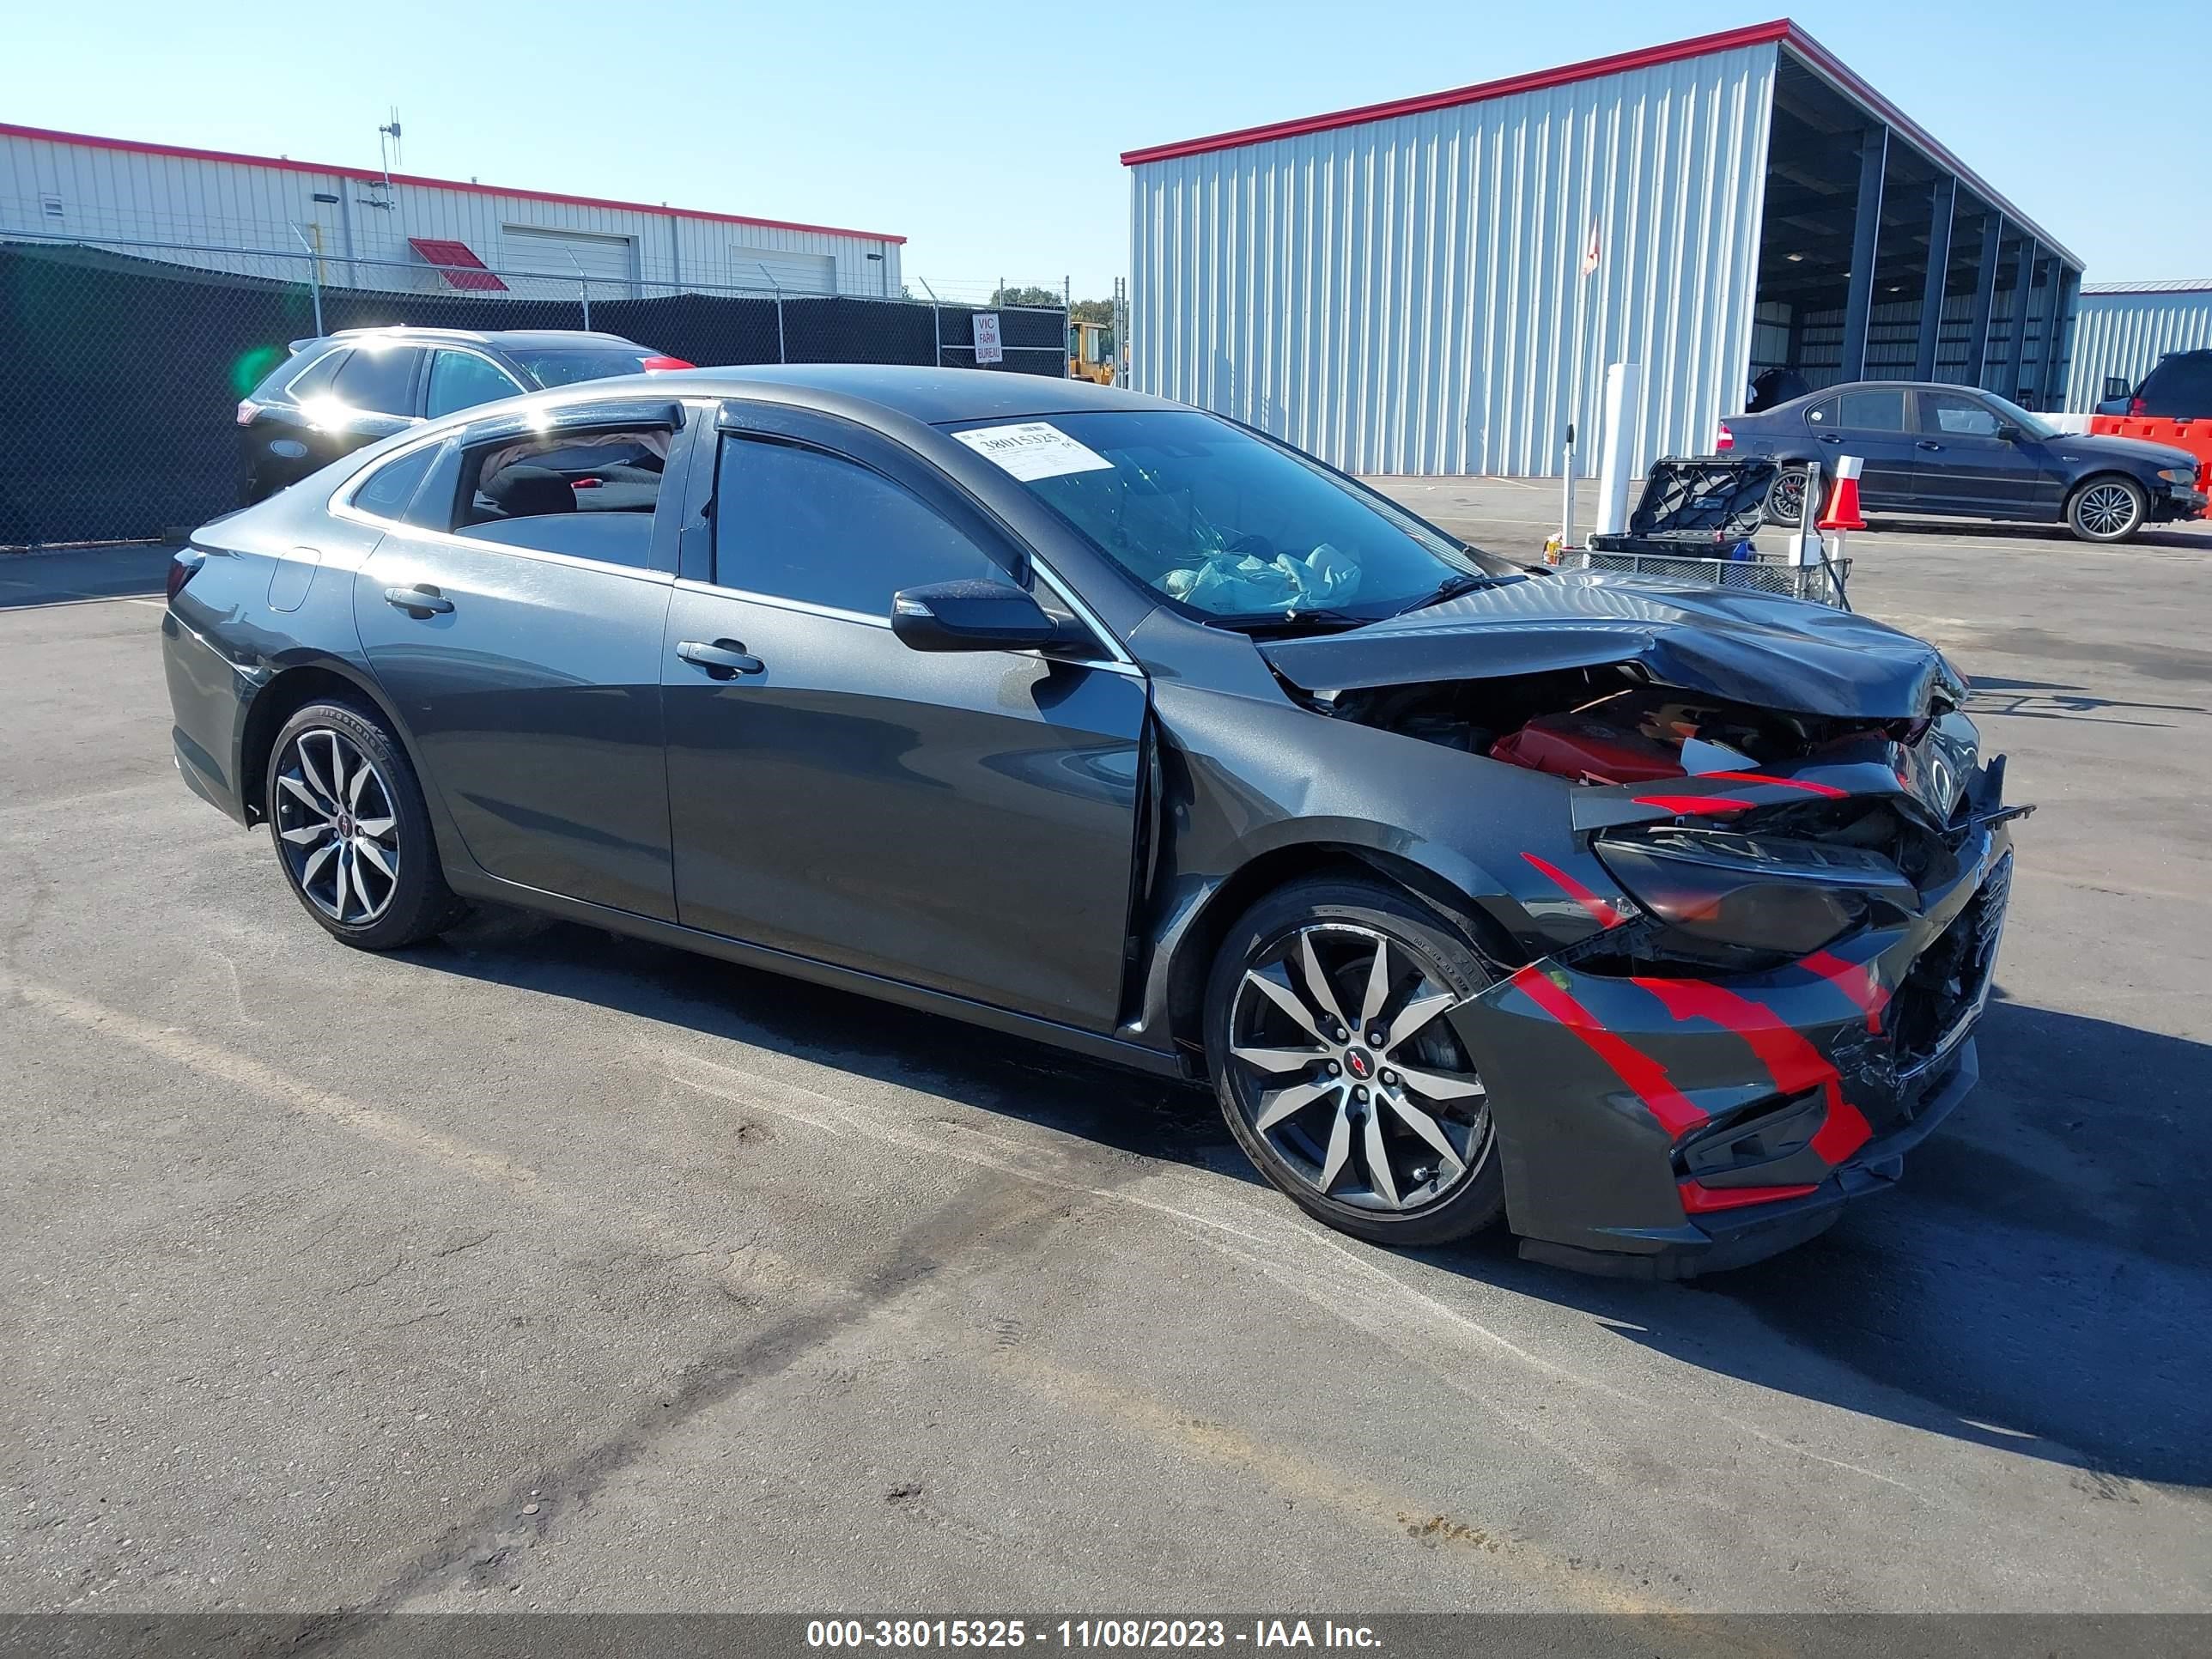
point(380, 381)
point(2180, 388)
point(590, 495)
point(1881, 409)
point(315, 379)
point(794, 523)
point(391, 488)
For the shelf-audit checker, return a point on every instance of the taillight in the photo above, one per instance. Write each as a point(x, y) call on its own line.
point(247, 409)
point(1723, 439)
point(654, 365)
point(183, 569)
point(2135, 406)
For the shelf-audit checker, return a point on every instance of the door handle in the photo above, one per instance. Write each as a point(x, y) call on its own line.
point(724, 660)
point(1831, 437)
point(419, 601)
point(1928, 443)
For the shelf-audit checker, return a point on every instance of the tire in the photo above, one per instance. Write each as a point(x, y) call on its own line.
point(2107, 509)
point(371, 876)
point(1786, 496)
point(1298, 1120)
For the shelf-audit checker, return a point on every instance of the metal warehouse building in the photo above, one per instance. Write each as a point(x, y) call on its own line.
point(1398, 287)
point(366, 228)
point(2124, 328)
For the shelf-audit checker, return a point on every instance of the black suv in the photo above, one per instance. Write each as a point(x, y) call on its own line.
point(2179, 389)
point(336, 393)
point(1959, 451)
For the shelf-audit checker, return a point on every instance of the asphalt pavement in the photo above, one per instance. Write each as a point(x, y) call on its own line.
point(541, 1269)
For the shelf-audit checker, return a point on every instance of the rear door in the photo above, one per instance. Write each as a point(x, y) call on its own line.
point(1867, 421)
point(375, 393)
point(962, 820)
point(516, 625)
point(1961, 466)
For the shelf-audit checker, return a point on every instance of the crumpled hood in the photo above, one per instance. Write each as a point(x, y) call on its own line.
point(1785, 654)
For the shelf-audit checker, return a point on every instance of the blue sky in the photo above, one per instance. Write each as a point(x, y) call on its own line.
point(992, 143)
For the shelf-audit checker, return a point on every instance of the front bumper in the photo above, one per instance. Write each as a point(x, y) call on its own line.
point(2178, 503)
point(1660, 1127)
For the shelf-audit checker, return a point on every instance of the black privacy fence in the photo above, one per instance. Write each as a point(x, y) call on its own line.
point(120, 375)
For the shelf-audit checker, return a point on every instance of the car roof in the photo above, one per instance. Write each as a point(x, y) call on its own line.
point(538, 339)
point(937, 396)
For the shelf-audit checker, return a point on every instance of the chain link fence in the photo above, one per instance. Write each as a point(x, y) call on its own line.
point(121, 365)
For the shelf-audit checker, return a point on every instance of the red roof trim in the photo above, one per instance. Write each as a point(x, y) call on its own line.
point(1566, 75)
point(1780, 32)
point(285, 165)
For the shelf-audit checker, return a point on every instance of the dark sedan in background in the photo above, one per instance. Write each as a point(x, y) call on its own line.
point(336, 393)
point(1956, 451)
point(1652, 918)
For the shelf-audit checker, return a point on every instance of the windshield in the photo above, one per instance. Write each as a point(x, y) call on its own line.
point(551, 368)
point(2034, 425)
point(1225, 524)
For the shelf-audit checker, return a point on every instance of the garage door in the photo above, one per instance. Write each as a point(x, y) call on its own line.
point(794, 273)
point(611, 259)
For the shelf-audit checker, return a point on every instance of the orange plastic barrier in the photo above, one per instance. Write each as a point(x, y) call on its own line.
point(2193, 436)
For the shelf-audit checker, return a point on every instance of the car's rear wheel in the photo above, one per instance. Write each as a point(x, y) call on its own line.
point(1785, 497)
point(347, 817)
point(2107, 509)
point(1337, 1067)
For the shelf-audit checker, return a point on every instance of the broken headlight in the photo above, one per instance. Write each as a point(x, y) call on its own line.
point(1770, 894)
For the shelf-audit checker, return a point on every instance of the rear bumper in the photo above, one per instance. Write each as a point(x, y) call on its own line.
point(209, 698)
point(1661, 1127)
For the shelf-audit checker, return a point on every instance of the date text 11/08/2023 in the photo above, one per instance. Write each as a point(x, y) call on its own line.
point(1118, 1634)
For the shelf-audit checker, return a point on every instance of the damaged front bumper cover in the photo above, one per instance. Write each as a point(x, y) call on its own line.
point(1659, 1124)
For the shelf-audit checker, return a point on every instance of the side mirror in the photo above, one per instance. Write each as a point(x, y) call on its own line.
point(2117, 389)
point(973, 615)
point(2009, 432)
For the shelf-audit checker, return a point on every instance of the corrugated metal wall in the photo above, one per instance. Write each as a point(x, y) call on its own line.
point(97, 193)
point(1402, 296)
point(2126, 334)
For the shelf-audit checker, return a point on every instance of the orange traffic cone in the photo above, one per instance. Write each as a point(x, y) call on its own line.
point(1843, 512)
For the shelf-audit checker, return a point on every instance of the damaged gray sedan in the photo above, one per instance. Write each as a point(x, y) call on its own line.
point(1650, 920)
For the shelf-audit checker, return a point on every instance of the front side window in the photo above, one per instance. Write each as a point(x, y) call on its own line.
point(381, 382)
point(796, 523)
point(567, 368)
point(1879, 409)
point(1225, 524)
point(1956, 415)
point(461, 379)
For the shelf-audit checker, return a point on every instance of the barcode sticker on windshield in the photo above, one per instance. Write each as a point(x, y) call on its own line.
point(1032, 450)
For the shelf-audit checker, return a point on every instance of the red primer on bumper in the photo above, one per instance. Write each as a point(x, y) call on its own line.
point(1854, 980)
point(1676, 1112)
point(1702, 1201)
point(1794, 1063)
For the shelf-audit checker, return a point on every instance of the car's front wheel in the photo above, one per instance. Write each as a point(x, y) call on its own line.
point(1334, 1060)
point(350, 828)
point(2107, 509)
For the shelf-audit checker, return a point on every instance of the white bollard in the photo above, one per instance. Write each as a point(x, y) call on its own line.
point(1624, 388)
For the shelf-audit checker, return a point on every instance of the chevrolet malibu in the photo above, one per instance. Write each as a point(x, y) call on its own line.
point(1653, 920)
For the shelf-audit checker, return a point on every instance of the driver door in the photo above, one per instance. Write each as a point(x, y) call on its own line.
point(962, 820)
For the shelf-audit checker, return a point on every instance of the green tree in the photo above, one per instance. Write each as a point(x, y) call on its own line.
point(1092, 311)
point(1024, 296)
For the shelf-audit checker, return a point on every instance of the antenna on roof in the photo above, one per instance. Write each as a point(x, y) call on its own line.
point(388, 150)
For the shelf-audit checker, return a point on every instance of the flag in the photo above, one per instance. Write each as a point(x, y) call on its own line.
point(1590, 250)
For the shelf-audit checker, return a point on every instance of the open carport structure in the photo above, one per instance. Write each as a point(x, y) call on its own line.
point(1434, 284)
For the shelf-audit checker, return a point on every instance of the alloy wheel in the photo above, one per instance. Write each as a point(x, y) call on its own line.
point(1785, 497)
point(1342, 1062)
point(2107, 509)
point(337, 826)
